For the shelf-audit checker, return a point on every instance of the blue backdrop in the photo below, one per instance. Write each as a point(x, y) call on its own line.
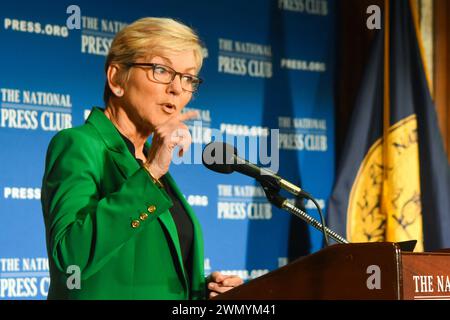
point(269, 65)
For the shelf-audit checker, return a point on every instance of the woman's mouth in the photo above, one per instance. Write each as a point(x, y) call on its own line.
point(169, 108)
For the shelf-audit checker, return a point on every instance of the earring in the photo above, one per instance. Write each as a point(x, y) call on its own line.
point(119, 92)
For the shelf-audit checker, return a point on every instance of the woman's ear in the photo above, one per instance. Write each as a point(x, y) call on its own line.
point(111, 74)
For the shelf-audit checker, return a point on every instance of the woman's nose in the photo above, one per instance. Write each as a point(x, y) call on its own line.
point(175, 86)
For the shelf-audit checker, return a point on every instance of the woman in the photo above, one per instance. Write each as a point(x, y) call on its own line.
point(111, 209)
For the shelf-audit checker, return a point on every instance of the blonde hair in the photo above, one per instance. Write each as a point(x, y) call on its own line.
point(146, 38)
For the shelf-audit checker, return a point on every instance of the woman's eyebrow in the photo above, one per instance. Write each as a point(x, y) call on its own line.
point(167, 61)
point(191, 68)
point(170, 64)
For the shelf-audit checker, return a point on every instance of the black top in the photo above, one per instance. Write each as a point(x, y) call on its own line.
point(182, 221)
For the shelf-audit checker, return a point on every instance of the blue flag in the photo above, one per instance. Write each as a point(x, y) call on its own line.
point(393, 182)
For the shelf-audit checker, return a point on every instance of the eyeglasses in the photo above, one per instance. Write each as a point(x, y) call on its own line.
point(164, 74)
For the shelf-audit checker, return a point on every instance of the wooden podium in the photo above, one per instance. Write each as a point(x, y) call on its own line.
point(354, 271)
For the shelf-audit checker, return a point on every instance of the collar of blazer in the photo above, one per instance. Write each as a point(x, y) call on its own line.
point(114, 142)
point(107, 130)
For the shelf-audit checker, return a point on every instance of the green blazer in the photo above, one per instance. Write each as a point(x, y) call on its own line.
point(104, 214)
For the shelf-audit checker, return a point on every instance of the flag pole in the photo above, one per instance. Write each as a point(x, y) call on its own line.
point(386, 107)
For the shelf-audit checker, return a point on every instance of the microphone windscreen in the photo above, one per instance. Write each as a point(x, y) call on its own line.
point(219, 157)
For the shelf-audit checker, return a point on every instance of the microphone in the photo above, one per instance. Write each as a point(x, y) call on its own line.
point(222, 158)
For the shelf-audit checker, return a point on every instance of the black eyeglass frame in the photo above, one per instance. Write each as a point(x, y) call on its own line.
point(153, 66)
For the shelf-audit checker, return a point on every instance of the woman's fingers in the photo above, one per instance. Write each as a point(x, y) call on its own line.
point(226, 280)
point(218, 288)
point(220, 283)
point(166, 137)
point(181, 137)
point(216, 276)
point(232, 281)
